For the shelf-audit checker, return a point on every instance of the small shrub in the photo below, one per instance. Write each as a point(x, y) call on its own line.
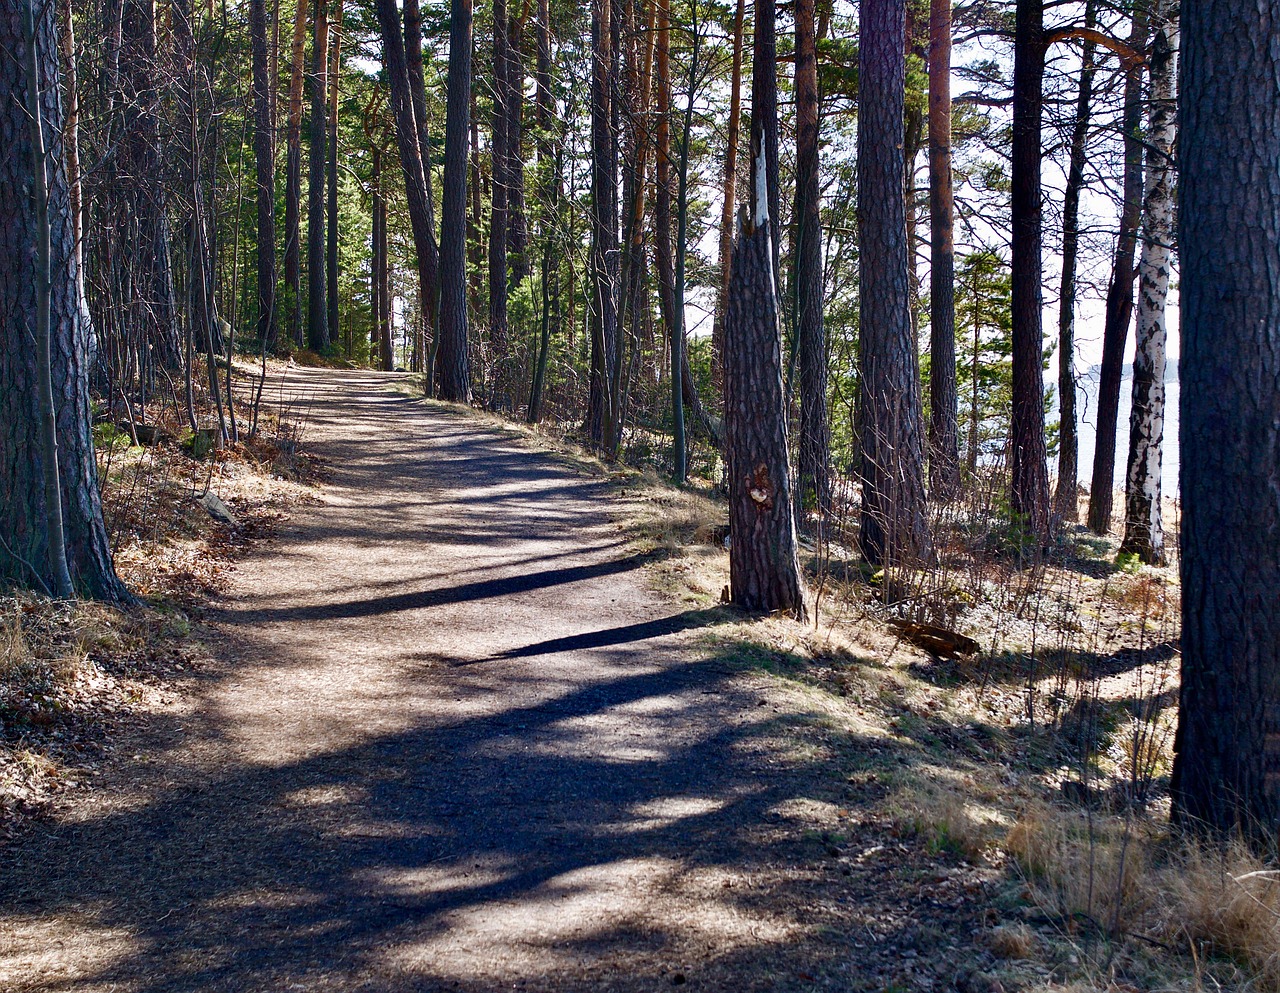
point(107, 438)
point(1129, 562)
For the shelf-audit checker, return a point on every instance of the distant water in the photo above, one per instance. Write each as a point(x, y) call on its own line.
point(1087, 412)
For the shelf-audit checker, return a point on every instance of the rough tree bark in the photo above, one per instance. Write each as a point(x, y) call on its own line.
point(418, 97)
point(601, 420)
point(1143, 530)
point(668, 250)
point(1120, 293)
point(453, 364)
point(375, 245)
point(331, 178)
point(730, 192)
point(265, 172)
point(1065, 504)
point(638, 73)
point(71, 135)
point(1029, 495)
point(517, 217)
point(944, 415)
point(670, 292)
point(813, 486)
point(889, 415)
point(1226, 774)
point(24, 505)
point(499, 343)
point(764, 107)
point(549, 165)
point(764, 569)
point(417, 84)
point(408, 141)
point(293, 178)
point(143, 222)
point(317, 306)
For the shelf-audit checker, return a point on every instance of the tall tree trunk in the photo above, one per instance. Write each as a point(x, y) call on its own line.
point(1143, 531)
point(730, 193)
point(638, 73)
point(1226, 775)
point(417, 84)
point(499, 168)
point(71, 138)
point(1065, 504)
point(890, 423)
point(669, 290)
point(202, 319)
point(764, 105)
point(265, 188)
point(375, 248)
point(517, 219)
point(679, 360)
point(944, 433)
point(331, 179)
point(764, 569)
point(604, 235)
point(408, 141)
point(475, 214)
point(549, 162)
point(418, 94)
point(382, 275)
point(293, 179)
point(814, 483)
point(43, 271)
point(144, 221)
point(1120, 293)
point(1029, 495)
point(453, 359)
point(666, 261)
point(317, 306)
point(39, 290)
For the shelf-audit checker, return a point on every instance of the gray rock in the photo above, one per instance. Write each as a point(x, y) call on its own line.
point(218, 510)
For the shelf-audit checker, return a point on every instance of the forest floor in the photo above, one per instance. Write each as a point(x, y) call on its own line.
point(473, 719)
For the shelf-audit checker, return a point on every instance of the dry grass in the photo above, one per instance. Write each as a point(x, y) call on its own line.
point(1013, 941)
point(946, 820)
point(1214, 910)
point(1225, 902)
point(1083, 871)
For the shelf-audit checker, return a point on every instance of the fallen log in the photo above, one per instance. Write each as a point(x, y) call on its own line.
point(939, 642)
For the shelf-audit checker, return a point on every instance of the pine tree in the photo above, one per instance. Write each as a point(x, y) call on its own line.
point(1226, 774)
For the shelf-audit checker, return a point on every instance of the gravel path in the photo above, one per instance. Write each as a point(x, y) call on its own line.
point(448, 740)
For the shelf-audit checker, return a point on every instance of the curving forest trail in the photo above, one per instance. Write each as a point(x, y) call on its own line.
point(450, 740)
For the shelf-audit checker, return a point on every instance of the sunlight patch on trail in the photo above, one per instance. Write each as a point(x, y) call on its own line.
point(33, 948)
point(566, 921)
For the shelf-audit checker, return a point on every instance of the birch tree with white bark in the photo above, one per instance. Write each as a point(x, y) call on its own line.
point(1143, 531)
